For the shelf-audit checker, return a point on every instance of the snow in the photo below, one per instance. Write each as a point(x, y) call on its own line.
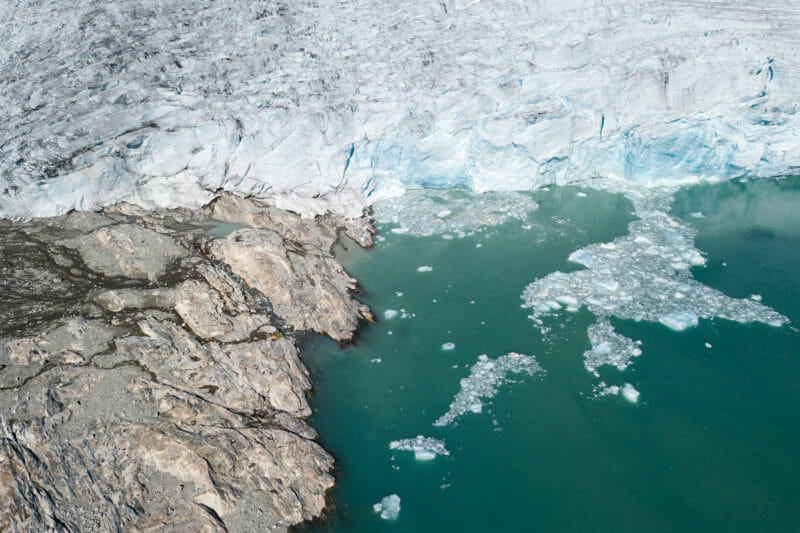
point(330, 106)
point(388, 508)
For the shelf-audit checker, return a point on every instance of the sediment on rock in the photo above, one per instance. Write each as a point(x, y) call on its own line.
point(149, 379)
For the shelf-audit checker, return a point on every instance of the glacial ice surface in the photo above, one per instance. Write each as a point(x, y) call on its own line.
point(388, 508)
point(424, 448)
point(484, 379)
point(331, 105)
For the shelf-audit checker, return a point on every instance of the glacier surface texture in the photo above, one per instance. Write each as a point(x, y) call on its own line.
point(332, 105)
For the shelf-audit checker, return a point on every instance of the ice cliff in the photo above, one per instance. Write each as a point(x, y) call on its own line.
point(328, 105)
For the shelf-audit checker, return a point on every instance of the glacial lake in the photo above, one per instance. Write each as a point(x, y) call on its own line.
point(712, 444)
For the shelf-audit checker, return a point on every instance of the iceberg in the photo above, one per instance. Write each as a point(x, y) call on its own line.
point(485, 377)
point(331, 106)
point(424, 448)
point(388, 508)
point(642, 276)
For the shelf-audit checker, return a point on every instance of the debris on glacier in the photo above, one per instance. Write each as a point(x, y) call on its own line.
point(644, 275)
point(424, 448)
point(388, 508)
point(422, 212)
point(485, 377)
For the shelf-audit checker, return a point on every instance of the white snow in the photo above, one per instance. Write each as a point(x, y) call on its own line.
point(388, 508)
point(327, 105)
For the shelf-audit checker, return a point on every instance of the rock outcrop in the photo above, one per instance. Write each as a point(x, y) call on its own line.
point(149, 377)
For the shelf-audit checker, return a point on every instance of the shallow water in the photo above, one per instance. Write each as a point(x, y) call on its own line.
point(711, 444)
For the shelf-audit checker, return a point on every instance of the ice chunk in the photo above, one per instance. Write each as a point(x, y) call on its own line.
point(608, 348)
point(425, 269)
point(485, 377)
point(448, 346)
point(424, 448)
point(389, 314)
point(643, 275)
point(399, 230)
point(466, 213)
point(388, 508)
point(630, 393)
point(680, 320)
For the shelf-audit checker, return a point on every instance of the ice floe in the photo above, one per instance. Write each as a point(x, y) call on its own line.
point(425, 269)
point(388, 508)
point(424, 448)
point(608, 348)
point(421, 212)
point(628, 391)
point(485, 377)
point(448, 346)
point(390, 314)
point(644, 275)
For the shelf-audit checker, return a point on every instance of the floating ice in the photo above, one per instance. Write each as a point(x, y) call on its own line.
point(448, 346)
point(389, 314)
point(643, 275)
point(388, 508)
point(425, 269)
point(680, 320)
point(399, 230)
point(420, 211)
point(608, 348)
point(630, 393)
point(424, 448)
point(485, 377)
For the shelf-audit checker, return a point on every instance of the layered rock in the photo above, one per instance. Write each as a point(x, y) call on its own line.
point(149, 377)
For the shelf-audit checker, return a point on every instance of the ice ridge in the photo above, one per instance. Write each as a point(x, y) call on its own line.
point(329, 106)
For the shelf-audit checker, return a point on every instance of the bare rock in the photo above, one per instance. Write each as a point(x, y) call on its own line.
point(148, 381)
point(308, 289)
point(129, 250)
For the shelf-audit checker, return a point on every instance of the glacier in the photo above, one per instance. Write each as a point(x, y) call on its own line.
point(333, 105)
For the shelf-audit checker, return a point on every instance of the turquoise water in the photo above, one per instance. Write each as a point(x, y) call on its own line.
point(712, 444)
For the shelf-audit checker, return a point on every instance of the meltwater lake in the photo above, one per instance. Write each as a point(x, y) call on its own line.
point(710, 443)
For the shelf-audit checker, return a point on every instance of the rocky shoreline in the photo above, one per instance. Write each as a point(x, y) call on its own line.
point(149, 373)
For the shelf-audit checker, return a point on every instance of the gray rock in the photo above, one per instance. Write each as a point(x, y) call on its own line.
point(162, 389)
